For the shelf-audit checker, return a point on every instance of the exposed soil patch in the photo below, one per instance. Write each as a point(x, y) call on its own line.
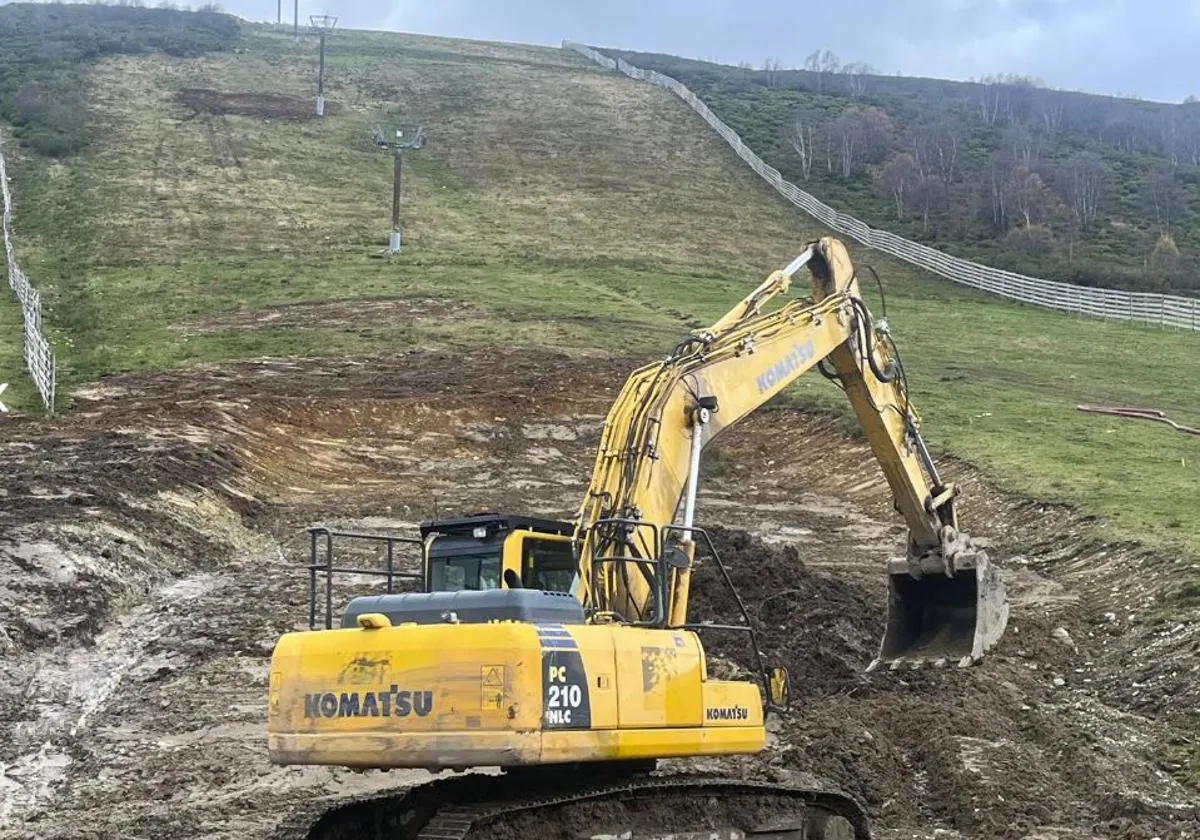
point(340, 314)
point(277, 106)
point(157, 538)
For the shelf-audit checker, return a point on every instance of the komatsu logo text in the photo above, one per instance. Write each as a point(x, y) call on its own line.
point(777, 372)
point(727, 713)
point(390, 703)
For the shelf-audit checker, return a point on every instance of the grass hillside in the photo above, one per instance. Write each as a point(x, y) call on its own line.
point(554, 205)
point(1096, 190)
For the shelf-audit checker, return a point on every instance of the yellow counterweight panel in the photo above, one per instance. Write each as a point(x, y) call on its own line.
point(406, 679)
point(502, 693)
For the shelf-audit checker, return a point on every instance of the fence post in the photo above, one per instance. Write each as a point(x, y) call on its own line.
point(36, 350)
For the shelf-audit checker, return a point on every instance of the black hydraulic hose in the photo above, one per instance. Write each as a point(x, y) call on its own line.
point(879, 284)
point(903, 376)
point(865, 323)
point(832, 376)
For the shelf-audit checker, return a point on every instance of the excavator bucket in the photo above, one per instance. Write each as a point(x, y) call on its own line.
point(938, 619)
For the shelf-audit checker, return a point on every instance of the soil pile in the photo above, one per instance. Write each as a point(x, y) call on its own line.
point(1003, 750)
point(821, 630)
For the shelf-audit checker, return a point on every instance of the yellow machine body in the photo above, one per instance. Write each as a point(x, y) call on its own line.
point(500, 694)
point(536, 642)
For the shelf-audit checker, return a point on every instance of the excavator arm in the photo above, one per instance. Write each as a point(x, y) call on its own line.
point(946, 602)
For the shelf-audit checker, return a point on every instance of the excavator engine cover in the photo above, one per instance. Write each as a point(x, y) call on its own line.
point(469, 607)
point(936, 619)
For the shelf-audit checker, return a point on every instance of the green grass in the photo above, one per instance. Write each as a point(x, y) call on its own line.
point(569, 208)
point(20, 393)
point(998, 385)
point(1183, 761)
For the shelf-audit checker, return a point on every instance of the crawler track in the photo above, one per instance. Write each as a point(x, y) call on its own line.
point(477, 807)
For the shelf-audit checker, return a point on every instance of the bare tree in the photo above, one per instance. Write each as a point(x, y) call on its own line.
point(864, 135)
point(812, 63)
point(1000, 166)
point(771, 68)
point(1189, 135)
point(935, 147)
point(857, 73)
point(1048, 105)
point(1024, 145)
point(1085, 176)
point(1163, 195)
point(897, 178)
point(989, 99)
point(930, 196)
point(824, 64)
point(802, 135)
point(1169, 135)
point(1123, 126)
point(1030, 198)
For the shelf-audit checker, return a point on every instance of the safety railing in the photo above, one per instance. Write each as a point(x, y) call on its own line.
point(39, 355)
point(324, 562)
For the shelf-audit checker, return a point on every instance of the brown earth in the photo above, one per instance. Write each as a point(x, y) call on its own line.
point(335, 314)
point(278, 106)
point(155, 538)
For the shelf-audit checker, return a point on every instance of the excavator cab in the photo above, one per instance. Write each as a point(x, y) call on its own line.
point(495, 551)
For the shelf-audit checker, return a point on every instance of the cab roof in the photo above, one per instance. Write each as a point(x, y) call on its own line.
point(495, 523)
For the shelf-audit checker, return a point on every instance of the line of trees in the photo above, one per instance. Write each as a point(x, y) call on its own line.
point(1127, 123)
point(1026, 196)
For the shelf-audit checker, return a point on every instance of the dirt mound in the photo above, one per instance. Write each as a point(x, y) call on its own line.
point(822, 631)
point(277, 106)
point(1002, 750)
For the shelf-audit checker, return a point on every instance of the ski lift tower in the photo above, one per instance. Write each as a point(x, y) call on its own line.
point(407, 136)
point(321, 25)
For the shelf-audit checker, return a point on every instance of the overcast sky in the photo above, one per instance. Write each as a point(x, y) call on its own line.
point(1143, 47)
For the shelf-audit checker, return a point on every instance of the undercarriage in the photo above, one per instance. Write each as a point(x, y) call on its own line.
point(541, 805)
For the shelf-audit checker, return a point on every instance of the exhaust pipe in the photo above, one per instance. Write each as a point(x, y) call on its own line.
point(938, 618)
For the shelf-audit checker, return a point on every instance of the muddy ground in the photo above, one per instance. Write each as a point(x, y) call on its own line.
point(153, 544)
point(272, 106)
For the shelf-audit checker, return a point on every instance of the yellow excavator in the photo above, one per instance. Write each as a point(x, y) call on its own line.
point(563, 652)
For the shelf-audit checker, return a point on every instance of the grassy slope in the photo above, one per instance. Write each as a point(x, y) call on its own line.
point(547, 188)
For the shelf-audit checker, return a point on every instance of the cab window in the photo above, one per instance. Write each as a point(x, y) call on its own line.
point(547, 565)
point(457, 563)
point(451, 574)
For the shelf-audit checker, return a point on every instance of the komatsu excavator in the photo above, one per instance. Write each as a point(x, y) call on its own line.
point(563, 652)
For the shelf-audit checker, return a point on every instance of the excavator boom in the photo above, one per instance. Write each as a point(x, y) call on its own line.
point(946, 602)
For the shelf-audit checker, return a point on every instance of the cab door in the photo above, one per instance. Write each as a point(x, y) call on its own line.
point(543, 561)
